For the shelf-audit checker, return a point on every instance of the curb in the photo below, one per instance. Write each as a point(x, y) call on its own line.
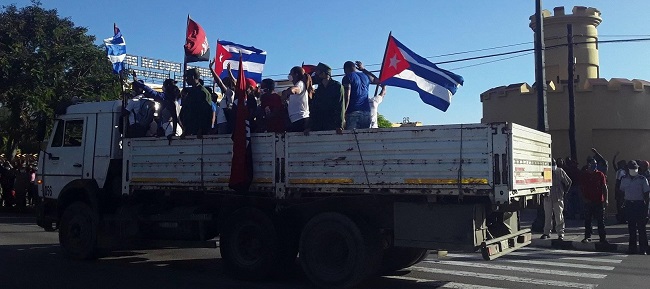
point(579, 246)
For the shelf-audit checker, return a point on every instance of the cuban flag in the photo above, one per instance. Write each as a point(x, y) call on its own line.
point(196, 42)
point(116, 49)
point(403, 68)
point(253, 60)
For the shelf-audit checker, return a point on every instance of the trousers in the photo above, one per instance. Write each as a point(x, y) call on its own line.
point(554, 208)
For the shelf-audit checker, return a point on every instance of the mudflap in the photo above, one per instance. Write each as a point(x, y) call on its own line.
point(497, 247)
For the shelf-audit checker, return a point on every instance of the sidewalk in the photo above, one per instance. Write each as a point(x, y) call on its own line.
point(574, 233)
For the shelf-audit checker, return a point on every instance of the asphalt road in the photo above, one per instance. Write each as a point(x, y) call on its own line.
point(31, 258)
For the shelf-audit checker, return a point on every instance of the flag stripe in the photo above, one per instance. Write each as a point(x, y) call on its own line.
point(115, 50)
point(248, 66)
point(434, 73)
point(244, 49)
point(430, 92)
point(413, 58)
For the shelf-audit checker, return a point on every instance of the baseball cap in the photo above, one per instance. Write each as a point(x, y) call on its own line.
point(632, 165)
point(251, 82)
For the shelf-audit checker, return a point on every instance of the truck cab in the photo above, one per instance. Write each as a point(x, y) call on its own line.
point(82, 157)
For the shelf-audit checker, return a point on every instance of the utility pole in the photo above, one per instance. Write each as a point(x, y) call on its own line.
point(572, 99)
point(540, 77)
point(540, 80)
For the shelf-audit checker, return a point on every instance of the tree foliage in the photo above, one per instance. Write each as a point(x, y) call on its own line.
point(383, 122)
point(44, 60)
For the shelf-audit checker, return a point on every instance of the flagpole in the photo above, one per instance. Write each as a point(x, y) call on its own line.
point(125, 118)
point(187, 24)
point(390, 33)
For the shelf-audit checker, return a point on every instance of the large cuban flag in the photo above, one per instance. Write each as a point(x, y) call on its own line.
point(253, 60)
point(403, 68)
point(116, 49)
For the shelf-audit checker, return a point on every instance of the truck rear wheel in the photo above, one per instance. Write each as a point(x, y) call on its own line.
point(78, 232)
point(397, 258)
point(336, 252)
point(248, 245)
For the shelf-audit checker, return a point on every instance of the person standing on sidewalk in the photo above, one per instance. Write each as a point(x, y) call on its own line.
point(636, 189)
point(554, 202)
point(594, 191)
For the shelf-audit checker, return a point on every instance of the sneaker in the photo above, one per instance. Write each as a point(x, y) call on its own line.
point(544, 237)
point(586, 240)
point(604, 242)
point(560, 238)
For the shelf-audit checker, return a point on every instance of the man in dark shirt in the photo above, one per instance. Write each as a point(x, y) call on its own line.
point(196, 111)
point(594, 192)
point(326, 106)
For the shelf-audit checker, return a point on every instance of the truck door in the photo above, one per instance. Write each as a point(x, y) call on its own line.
point(64, 160)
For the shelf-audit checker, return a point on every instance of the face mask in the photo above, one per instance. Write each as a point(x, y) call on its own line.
point(554, 167)
point(290, 78)
point(634, 173)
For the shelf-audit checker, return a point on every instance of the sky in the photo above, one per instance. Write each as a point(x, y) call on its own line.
point(334, 31)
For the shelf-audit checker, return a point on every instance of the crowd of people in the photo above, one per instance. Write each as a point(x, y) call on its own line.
point(17, 182)
point(198, 110)
point(585, 193)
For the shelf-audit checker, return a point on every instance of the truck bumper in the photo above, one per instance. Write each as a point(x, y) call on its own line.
point(498, 247)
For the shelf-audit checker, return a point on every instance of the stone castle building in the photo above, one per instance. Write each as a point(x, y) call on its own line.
point(610, 114)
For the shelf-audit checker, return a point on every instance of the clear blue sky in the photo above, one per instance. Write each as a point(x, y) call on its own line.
point(334, 31)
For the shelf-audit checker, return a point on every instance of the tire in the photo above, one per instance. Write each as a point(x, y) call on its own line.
point(249, 245)
point(396, 258)
point(78, 232)
point(336, 252)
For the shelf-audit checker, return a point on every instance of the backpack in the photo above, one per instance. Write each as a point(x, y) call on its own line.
point(145, 115)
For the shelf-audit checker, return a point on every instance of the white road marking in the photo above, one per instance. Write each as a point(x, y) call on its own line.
point(494, 266)
point(560, 264)
point(442, 284)
point(504, 278)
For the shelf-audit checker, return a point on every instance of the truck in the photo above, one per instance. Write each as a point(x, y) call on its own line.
point(345, 206)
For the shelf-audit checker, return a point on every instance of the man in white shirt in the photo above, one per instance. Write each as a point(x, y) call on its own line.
point(374, 105)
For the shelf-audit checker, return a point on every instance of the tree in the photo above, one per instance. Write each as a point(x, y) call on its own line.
point(383, 122)
point(44, 60)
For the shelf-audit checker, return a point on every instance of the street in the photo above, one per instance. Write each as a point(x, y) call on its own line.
point(31, 258)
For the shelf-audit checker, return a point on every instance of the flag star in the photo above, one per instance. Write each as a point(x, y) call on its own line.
point(394, 61)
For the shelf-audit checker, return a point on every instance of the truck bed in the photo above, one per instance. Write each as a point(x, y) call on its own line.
point(500, 160)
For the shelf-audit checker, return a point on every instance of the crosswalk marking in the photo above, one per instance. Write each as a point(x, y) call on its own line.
point(521, 269)
point(591, 259)
point(560, 264)
point(504, 277)
point(442, 284)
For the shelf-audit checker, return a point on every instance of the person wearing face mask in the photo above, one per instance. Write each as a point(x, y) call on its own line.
point(554, 202)
point(636, 189)
point(298, 97)
point(326, 108)
point(594, 191)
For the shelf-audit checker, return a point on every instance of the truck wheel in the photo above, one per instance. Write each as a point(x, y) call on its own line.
point(397, 258)
point(78, 232)
point(248, 245)
point(336, 252)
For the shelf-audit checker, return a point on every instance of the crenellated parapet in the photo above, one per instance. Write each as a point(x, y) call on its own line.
point(610, 87)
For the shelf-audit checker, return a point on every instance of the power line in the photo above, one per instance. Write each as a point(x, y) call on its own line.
point(491, 61)
point(511, 52)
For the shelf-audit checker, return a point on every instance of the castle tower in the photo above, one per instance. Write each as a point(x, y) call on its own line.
point(584, 21)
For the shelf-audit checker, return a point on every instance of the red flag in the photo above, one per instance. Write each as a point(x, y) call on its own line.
point(309, 68)
point(241, 170)
point(394, 61)
point(196, 43)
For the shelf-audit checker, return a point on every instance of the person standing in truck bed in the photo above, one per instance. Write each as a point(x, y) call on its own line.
point(196, 110)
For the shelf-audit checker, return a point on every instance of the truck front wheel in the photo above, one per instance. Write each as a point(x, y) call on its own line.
point(248, 245)
point(78, 232)
point(336, 252)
